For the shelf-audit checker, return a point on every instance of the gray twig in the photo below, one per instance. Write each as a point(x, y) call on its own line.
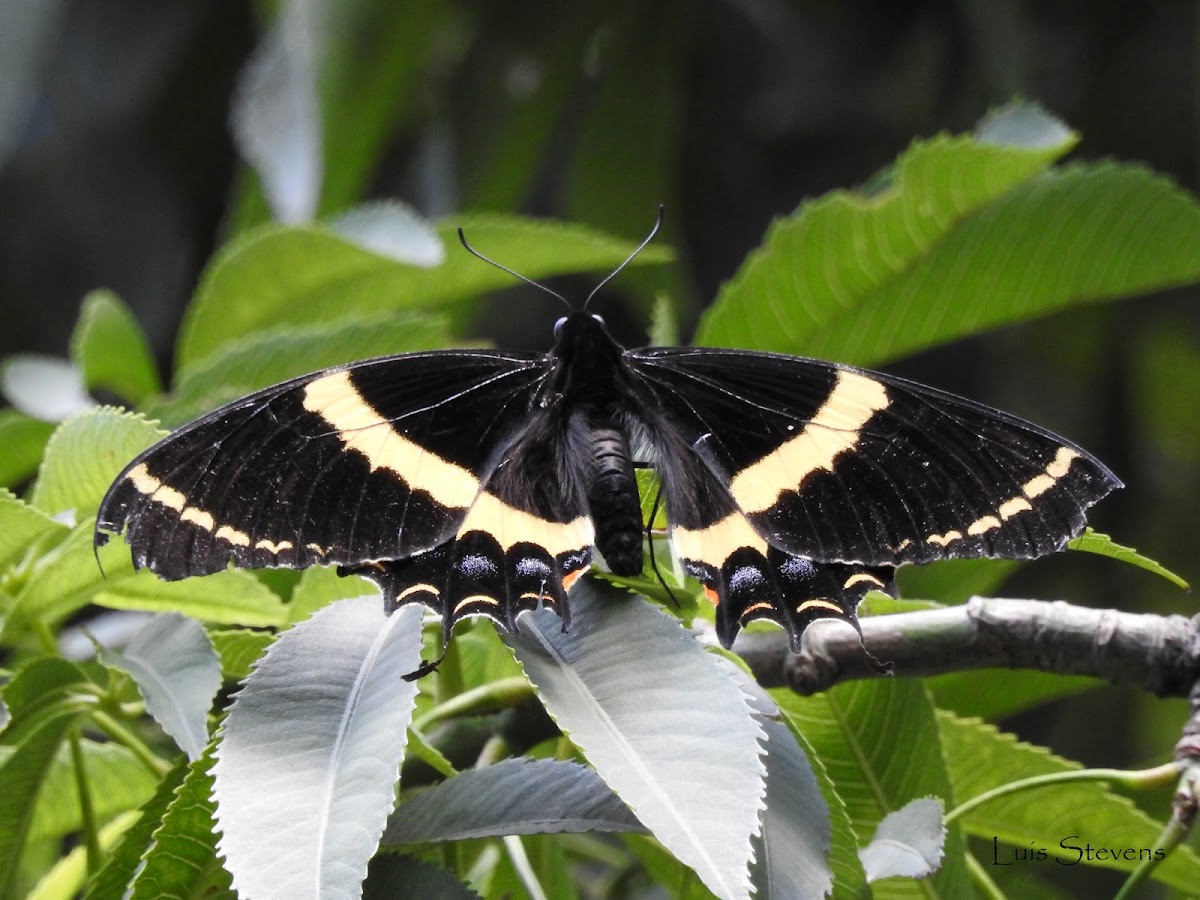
point(1159, 653)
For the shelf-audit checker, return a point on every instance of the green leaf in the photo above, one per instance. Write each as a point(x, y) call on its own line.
point(110, 349)
point(66, 878)
point(119, 870)
point(118, 781)
point(238, 650)
point(878, 740)
point(391, 876)
point(953, 581)
point(272, 355)
point(1103, 545)
point(998, 693)
point(321, 585)
point(182, 861)
point(85, 454)
point(908, 842)
point(310, 275)
point(966, 236)
point(22, 442)
point(224, 598)
point(22, 525)
point(68, 578)
point(22, 775)
point(38, 684)
point(980, 758)
point(311, 749)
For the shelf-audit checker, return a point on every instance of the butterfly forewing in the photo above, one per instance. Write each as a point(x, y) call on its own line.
point(374, 461)
point(842, 465)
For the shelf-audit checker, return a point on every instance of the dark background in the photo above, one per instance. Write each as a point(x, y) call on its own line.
point(117, 170)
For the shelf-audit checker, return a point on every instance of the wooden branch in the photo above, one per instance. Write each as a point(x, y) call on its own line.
point(1159, 653)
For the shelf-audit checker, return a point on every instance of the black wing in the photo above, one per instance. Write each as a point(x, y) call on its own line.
point(839, 464)
point(378, 460)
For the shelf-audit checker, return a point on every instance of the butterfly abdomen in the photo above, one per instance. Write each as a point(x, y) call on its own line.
point(613, 500)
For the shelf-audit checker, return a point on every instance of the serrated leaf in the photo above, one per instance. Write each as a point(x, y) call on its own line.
point(908, 842)
point(68, 577)
point(995, 694)
point(22, 441)
point(85, 454)
point(311, 275)
point(22, 774)
point(111, 351)
point(790, 852)
point(980, 758)
point(173, 663)
point(967, 235)
point(223, 598)
point(21, 525)
point(623, 683)
point(119, 870)
point(878, 740)
point(513, 796)
point(1103, 545)
point(272, 355)
point(394, 230)
point(276, 118)
point(311, 748)
point(182, 861)
point(238, 650)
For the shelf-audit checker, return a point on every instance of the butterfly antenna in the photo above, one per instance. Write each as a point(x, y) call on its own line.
point(463, 238)
point(640, 247)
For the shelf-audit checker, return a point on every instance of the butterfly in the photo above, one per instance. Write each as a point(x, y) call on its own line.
point(485, 483)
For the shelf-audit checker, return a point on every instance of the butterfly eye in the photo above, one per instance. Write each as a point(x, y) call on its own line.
point(598, 319)
point(558, 327)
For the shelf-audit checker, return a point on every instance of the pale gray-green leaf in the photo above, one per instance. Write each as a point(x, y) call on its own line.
point(514, 796)
point(394, 230)
point(908, 842)
point(276, 119)
point(44, 387)
point(178, 672)
point(790, 855)
point(660, 720)
point(311, 749)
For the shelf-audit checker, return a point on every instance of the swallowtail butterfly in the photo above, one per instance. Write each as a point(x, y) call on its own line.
point(481, 482)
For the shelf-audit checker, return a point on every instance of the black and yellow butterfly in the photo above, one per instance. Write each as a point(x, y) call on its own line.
point(481, 482)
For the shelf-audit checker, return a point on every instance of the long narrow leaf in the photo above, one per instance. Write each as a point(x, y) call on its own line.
point(311, 750)
point(661, 721)
point(514, 796)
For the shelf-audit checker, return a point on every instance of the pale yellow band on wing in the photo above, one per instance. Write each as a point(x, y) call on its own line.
point(755, 607)
point(334, 398)
point(833, 430)
point(861, 576)
point(228, 533)
point(1039, 484)
point(198, 517)
point(417, 589)
point(272, 547)
point(510, 526)
point(475, 598)
point(714, 544)
point(820, 604)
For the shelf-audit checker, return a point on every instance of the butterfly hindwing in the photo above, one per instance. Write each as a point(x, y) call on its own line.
point(523, 543)
point(840, 465)
point(374, 461)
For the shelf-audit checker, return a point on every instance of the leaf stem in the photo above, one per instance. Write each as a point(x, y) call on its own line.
point(87, 812)
point(130, 742)
point(486, 698)
point(1143, 778)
